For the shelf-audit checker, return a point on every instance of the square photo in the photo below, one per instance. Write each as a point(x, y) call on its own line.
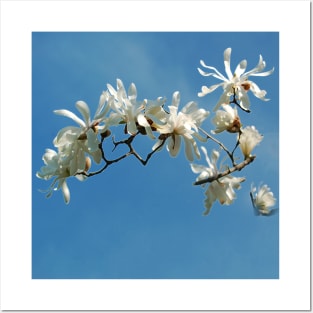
point(155, 155)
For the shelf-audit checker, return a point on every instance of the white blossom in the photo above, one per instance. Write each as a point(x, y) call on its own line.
point(227, 119)
point(182, 125)
point(72, 140)
point(57, 166)
point(262, 199)
point(221, 189)
point(248, 139)
point(237, 82)
point(126, 109)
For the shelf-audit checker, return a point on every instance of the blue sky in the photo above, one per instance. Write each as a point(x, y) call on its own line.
point(146, 222)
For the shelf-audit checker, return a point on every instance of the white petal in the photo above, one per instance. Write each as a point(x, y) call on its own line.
point(197, 168)
point(66, 192)
point(217, 74)
point(176, 99)
point(205, 90)
point(112, 90)
point(71, 115)
point(102, 109)
point(132, 92)
point(258, 92)
point(83, 108)
point(223, 99)
point(174, 145)
point(188, 149)
point(244, 100)
point(241, 68)
point(92, 141)
point(227, 54)
point(131, 127)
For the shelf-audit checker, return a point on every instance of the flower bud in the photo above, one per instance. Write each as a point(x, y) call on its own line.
point(87, 164)
point(235, 126)
point(82, 136)
point(106, 133)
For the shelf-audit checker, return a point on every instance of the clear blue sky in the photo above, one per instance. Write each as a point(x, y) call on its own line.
point(146, 222)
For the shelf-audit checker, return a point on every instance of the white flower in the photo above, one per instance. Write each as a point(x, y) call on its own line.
point(83, 108)
point(227, 119)
point(262, 200)
point(132, 112)
point(237, 82)
point(55, 165)
point(221, 189)
point(62, 167)
point(183, 124)
point(248, 139)
point(72, 140)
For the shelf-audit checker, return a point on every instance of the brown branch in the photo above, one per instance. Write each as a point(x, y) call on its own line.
point(237, 167)
point(234, 100)
point(231, 155)
point(131, 151)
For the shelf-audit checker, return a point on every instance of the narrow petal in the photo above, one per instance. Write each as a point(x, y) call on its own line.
point(267, 73)
point(174, 145)
point(132, 92)
point(176, 99)
point(205, 90)
point(241, 68)
point(142, 121)
point(227, 54)
point(244, 100)
point(112, 90)
point(257, 91)
point(188, 149)
point(66, 192)
point(71, 115)
point(131, 127)
point(102, 109)
point(211, 197)
point(217, 75)
point(197, 168)
point(92, 141)
point(223, 99)
point(83, 108)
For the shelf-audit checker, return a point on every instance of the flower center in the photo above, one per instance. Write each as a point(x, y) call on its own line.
point(246, 86)
point(235, 126)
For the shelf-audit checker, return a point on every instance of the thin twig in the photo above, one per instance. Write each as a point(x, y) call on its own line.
point(237, 167)
point(131, 151)
point(220, 144)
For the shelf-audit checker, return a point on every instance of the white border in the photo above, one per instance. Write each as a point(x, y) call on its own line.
point(19, 19)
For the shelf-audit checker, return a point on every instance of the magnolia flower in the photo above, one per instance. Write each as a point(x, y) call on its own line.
point(57, 166)
point(182, 125)
point(237, 82)
point(262, 200)
point(73, 140)
point(248, 139)
point(226, 120)
point(83, 108)
point(221, 189)
point(132, 112)
point(62, 167)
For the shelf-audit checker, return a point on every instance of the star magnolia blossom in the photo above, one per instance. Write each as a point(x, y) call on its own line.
point(132, 112)
point(226, 119)
point(183, 124)
point(73, 143)
point(262, 200)
point(58, 165)
point(238, 82)
point(76, 141)
point(221, 189)
point(248, 139)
